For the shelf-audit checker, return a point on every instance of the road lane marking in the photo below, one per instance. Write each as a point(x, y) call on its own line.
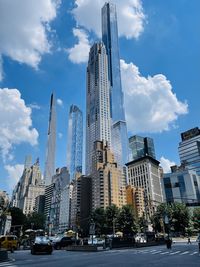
point(156, 252)
point(164, 253)
point(176, 252)
point(193, 253)
point(186, 252)
point(7, 264)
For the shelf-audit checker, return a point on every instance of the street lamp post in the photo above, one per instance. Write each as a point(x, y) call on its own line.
point(166, 220)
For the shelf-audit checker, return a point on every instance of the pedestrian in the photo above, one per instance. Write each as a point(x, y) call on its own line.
point(169, 243)
point(189, 242)
point(198, 239)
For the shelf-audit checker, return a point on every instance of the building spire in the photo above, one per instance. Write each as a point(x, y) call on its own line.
point(51, 143)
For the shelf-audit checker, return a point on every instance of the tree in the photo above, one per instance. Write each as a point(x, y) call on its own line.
point(142, 224)
point(158, 219)
point(98, 217)
point(180, 217)
point(196, 219)
point(35, 221)
point(127, 220)
point(18, 218)
point(111, 213)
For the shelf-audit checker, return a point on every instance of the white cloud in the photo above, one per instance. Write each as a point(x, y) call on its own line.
point(166, 164)
point(23, 29)
point(14, 174)
point(59, 102)
point(150, 104)
point(15, 121)
point(79, 53)
point(34, 106)
point(130, 15)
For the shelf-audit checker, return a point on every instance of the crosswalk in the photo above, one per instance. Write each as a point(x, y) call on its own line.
point(158, 252)
point(7, 264)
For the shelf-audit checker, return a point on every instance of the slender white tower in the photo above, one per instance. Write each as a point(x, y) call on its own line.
point(98, 126)
point(51, 144)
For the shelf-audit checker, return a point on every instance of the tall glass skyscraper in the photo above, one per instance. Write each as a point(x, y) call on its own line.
point(75, 141)
point(189, 149)
point(98, 126)
point(110, 40)
point(51, 143)
point(141, 147)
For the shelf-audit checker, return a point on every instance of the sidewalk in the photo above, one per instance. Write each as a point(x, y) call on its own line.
point(182, 239)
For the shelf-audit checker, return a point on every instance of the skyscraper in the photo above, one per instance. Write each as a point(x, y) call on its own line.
point(28, 188)
point(98, 101)
point(51, 143)
point(110, 40)
point(140, 147)
point(189, 149)
point(107, 187)
point(75, 141)
point(146, 173)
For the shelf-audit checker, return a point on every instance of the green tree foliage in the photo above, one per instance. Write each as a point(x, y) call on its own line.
point(142, 224)
point(18, 218)
point(35, 221)
point(127, 220)
point(178, 217)
point(99, 218)
point(196, 219)
point(111, 213)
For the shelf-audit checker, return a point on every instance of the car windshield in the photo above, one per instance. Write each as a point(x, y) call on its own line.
point(41, 239)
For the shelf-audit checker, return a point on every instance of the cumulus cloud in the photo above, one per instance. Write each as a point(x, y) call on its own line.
point(34, 106)
point(59, 102)
point(150, 104)
point(24, 27)
point(130, 15)
point(15, 121)
point(79, 53)
point(14, 174)
point(166, 164)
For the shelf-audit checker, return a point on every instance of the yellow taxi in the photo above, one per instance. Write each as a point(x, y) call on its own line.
point(9, 242)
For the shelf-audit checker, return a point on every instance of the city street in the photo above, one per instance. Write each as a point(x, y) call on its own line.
point(181, 254)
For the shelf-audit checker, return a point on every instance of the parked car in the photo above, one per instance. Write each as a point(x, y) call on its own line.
point(9, 242)
point(96, 241)
point(62, 242)
point(41, 244)
point(140, 238)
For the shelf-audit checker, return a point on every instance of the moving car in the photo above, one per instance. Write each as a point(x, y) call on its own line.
point(62, 242)
point(41, 244)
point(9, 242)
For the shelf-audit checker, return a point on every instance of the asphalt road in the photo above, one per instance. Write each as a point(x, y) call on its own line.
point(181, 254)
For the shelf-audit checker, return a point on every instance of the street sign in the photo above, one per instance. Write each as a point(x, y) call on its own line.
point(92, 229)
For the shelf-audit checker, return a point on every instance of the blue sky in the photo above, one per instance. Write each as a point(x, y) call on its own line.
point(44, 47)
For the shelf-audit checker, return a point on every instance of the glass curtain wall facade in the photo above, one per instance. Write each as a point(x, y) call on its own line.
point(110, 40)
point(98, 127)
point(181, 186)
point(189, 149)
point(141, 147)
point(75, 141)
point(51, 144)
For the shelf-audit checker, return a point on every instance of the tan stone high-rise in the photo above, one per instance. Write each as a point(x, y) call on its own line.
point(145, 172)
point(135, 198)
point(107, 185)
